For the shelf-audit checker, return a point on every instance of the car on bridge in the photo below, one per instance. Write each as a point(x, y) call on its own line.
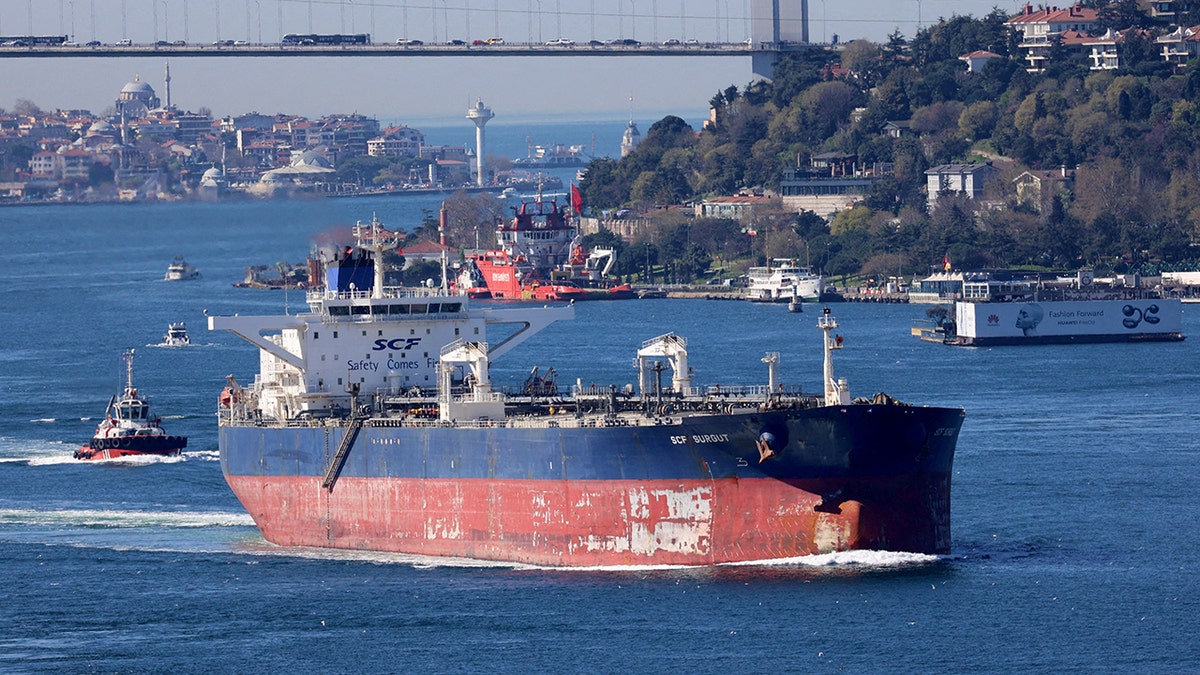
point(409, 43)
point(671, 43)
point(495, 41)
point(626, 42)
point(560, 42)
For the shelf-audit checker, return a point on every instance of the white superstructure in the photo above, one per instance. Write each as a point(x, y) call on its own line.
point(783, 280)
point(363, 339)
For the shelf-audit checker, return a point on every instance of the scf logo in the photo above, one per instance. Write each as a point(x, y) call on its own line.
point(396, 344)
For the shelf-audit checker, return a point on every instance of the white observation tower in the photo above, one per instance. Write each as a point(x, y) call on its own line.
point(480, 115)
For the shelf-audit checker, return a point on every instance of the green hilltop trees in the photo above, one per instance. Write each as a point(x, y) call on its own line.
point(1130, 138)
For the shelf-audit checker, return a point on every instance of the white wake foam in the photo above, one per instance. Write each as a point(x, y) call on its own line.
point(123, 519)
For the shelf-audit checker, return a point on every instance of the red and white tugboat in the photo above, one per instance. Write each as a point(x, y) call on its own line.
point(540, 257)
point(128, 428)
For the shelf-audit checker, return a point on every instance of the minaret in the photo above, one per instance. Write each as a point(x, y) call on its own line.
point(480, 115)
point(167, 81)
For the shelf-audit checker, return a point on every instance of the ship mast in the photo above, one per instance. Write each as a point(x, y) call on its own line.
point(128, 359)
point(376, 240)
point(837, 392)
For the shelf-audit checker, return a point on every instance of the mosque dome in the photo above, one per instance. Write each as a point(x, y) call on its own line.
point(137, 87)
point(100, 127)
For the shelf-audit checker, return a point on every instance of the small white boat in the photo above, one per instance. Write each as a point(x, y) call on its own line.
point(180, 270)
point(177, 335)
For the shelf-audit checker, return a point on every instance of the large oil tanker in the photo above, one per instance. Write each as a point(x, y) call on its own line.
point(373, 424)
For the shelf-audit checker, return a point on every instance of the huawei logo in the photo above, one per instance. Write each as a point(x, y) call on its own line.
point(993, 320)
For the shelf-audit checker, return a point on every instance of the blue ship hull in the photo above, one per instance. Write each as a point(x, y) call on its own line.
point(695, 491)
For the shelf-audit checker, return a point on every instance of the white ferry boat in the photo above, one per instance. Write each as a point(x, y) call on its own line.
point(783, 280)
point(180, 270)
point(177, 335)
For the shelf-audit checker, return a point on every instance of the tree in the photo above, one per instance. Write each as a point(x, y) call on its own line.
point(472, 218)
point(361, 170)
point(1122, 14)
point(977, 120)
point(855, 218)
point(26, 108)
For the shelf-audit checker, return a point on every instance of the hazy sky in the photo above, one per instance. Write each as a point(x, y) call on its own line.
point(413, 89)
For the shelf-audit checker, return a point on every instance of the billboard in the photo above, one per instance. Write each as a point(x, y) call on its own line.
point(1035, 321)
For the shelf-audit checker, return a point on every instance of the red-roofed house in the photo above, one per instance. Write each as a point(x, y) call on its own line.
point(397, 141)
point(1041, 29)
point(43, 165)
point(427, 250)
point(75, 165)
point(1181, 46)
point(1105, 52)
point(976, 60)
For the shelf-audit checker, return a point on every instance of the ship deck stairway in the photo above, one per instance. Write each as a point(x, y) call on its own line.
point(339, 458)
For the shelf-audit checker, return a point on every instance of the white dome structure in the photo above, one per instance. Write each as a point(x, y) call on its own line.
point(136, 99)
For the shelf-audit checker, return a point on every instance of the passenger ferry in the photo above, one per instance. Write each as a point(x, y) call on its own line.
point(180, 270)
point(177, 335)
point(783, 280)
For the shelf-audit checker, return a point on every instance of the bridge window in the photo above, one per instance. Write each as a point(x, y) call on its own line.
point(360, 309)
point(339, 311)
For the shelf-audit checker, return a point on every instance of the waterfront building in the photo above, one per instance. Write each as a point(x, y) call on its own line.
point(398, 141)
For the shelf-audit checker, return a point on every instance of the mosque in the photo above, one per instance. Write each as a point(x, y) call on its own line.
point(137, 99)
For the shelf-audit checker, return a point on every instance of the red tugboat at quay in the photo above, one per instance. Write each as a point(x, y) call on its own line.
point(128, 429)
point(540, 256)
point(372, 424)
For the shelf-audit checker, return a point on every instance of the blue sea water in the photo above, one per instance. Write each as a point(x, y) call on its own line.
point(1075, 529)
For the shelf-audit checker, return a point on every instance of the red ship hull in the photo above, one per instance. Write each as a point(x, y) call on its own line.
point(503, 283)
point(87, 452)
point(603, 522)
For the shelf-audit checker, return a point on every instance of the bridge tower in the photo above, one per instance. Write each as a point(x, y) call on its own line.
point(480, 115)
point(773, 22)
